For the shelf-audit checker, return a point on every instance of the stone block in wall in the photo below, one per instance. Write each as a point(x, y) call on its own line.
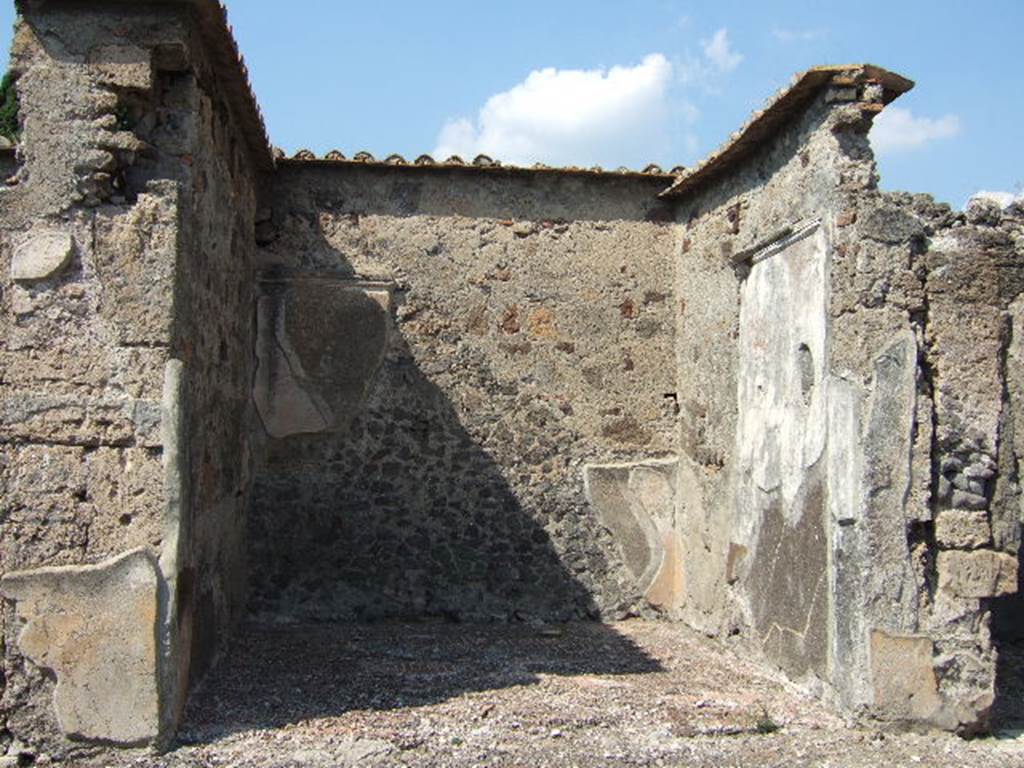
point(963, 529)
point(122, 66)
point(966, 337)
point(320, 344)
point(95, 626)
point(72, 420)
point(65, 504)
point(83, 362)
point(903, 677)
point(977, 574)
point(890, 223)
point(43, 254)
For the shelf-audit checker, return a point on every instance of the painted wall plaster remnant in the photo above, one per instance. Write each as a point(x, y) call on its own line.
point(758, 396)
point(95, 627)
point(320, 343)
point(781, 441)
point(637, 504)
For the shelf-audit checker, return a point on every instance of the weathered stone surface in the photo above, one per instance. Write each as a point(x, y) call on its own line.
point(136, 260)
point(531, 336)
point(43, 255)
point(903, 677)
point(95, 627)
point(891, 223)
point(886, 448)
point(76, 420)
point(963, 529)
point(133, 149)
point(66, 504)
point(911, 411)
point(124, 66)
point(981, 573)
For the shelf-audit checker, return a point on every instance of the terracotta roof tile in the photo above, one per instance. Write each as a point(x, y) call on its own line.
point(480, 162)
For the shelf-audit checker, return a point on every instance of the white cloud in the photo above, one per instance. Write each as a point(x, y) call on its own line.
point(719, 52)
point(717, 59)
point(571, 117)
point(784, 35)
point(1002, 199)
point(899, 130)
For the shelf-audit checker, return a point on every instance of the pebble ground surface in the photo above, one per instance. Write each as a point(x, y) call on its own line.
point(635, 693)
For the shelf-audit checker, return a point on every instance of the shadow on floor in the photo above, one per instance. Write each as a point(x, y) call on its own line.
point(275, 675)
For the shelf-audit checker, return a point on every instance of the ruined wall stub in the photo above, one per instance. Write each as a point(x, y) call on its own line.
point(126, 288)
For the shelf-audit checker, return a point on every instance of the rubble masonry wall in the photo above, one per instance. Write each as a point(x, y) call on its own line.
point(857, 501)
point(126, 321)
point(441, 354)
point(776, 403)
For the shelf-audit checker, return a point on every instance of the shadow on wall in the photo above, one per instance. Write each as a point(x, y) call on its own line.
point(285, 674)
point(432, 465)
point(375, 501)
point(409, 470)
point(396, 511)
point(1008, 639)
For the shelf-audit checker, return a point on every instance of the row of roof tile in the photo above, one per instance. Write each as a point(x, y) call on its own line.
point(480, 161)
point(228, 59)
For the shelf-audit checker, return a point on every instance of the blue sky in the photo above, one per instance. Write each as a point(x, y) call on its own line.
point(631, 82)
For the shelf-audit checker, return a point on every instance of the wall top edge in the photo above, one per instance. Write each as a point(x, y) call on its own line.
point(788, 102)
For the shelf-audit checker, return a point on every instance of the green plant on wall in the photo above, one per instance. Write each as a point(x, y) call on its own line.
point(8, 108)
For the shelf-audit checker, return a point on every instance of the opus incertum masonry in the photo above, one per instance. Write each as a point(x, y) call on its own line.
point(758, 396)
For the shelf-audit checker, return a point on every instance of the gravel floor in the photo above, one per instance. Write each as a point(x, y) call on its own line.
point(630, 694)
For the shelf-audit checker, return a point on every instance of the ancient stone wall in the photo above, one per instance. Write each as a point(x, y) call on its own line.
point(215, 329)
point(126, 280)
point(750, 356)
point(441, 354)
point(941, 504)
point(761, 396)
point(848, 500)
